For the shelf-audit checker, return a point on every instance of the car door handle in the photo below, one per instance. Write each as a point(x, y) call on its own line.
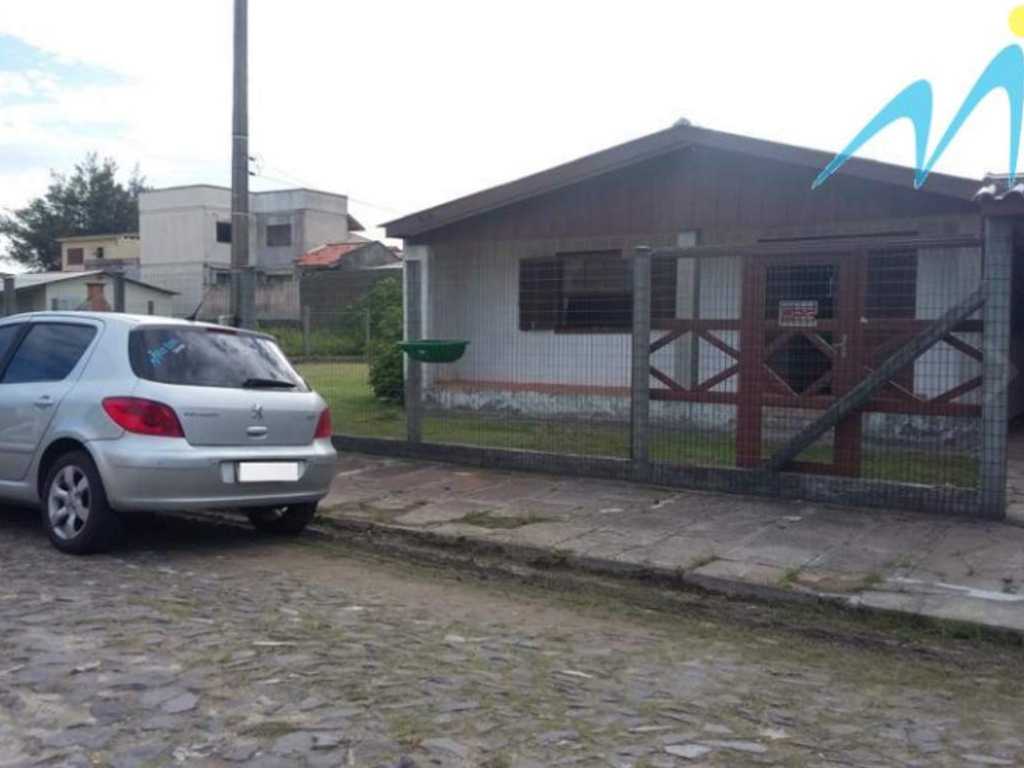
point(256, 431)
point(44, 402)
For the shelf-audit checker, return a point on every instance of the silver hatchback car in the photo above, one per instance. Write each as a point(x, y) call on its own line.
point(103, 414)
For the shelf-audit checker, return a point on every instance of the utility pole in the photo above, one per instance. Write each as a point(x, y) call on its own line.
point(242, 284)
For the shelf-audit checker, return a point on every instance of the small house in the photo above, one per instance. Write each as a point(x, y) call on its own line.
point(91, 290)
point(769, 301)
point(90, 252)
point(334, 276)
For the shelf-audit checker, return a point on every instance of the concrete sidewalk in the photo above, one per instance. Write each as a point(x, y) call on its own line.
point(935, 567)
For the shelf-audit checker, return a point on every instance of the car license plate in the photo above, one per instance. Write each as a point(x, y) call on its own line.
point(268, 471)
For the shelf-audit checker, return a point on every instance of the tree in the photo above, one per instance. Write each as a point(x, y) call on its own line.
point(89, 202)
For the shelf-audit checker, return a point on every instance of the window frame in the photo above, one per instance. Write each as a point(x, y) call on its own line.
point(75, 257)
point(547, 311)
point(881, 302)
point(5, 357)
point(217, 232)
point(26, 328)
point(561, 324)
point(278, 228)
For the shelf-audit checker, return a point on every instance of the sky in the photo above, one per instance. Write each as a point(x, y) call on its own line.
point(403, 105)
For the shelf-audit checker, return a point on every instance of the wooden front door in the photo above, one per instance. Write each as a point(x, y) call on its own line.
point(800, 349)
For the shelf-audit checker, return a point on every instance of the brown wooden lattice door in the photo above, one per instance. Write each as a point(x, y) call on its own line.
point(801, 347)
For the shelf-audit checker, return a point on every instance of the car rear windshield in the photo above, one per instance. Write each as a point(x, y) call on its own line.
point(209, 357)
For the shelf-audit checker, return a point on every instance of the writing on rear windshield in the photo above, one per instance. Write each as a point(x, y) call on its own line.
point(170, 347)
point(200, 357)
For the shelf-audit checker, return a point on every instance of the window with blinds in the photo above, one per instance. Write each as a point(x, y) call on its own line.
point(589, 291)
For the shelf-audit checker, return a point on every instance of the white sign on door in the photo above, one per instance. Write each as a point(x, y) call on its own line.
point(798, 314)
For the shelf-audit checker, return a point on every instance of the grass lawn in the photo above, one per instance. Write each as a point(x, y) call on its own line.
point(356, 411)
point(342, 341)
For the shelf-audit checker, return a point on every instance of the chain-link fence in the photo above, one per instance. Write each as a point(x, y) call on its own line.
point(847, 370)
point(773, 342)
point(343, 342)
point(539, 373)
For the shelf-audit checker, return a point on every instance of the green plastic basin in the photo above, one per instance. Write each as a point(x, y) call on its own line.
point(434, 350)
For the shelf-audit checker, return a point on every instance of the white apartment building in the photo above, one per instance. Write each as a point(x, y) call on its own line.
point(186, 235)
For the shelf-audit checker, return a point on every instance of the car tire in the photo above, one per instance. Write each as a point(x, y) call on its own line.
point(75, 510)
point(283, 521)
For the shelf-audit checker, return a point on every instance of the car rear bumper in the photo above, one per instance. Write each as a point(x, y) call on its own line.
point(148, 474)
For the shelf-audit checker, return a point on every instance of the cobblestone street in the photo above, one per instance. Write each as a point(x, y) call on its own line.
point(204, 645)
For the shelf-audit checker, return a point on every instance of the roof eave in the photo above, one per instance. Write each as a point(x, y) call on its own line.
point(655, 144)
point(62, 277)
point(542, 182)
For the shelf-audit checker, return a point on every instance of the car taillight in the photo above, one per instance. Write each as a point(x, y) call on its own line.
point(144, 417)
point(323, 426)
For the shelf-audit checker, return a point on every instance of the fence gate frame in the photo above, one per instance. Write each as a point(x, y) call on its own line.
point(760, 386)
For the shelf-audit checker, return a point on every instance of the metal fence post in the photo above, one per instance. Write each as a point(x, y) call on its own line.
point(306, 317)
point(366, 343)
point(998, 261)
point(640, 378)
point(119, 287)
point(10, 300)
point(413, 331)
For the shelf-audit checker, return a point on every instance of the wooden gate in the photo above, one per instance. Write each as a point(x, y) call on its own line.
point(811, 342)
point(802, 347)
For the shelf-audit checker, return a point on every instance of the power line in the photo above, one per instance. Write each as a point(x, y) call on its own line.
point(288, 178)
point(375, 205)
point(272, 178)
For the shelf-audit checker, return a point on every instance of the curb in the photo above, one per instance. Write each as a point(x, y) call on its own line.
point(543, 557)
point(542, 564)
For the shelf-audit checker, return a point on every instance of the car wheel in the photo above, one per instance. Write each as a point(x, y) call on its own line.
point(288, 520)
point(76, 514)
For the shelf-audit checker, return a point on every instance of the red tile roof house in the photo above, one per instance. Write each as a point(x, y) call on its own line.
point(357, 253)
point(334, 276)
point(770, 302)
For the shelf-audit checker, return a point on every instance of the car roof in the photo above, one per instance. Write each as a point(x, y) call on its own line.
point(124, 319)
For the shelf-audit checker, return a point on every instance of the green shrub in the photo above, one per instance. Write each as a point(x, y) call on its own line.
point(386, 371)
point(384, 304)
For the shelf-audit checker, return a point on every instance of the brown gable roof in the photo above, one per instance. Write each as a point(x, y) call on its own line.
point(655, 144)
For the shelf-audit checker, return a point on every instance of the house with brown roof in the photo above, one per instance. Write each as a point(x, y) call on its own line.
point(770, 305)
